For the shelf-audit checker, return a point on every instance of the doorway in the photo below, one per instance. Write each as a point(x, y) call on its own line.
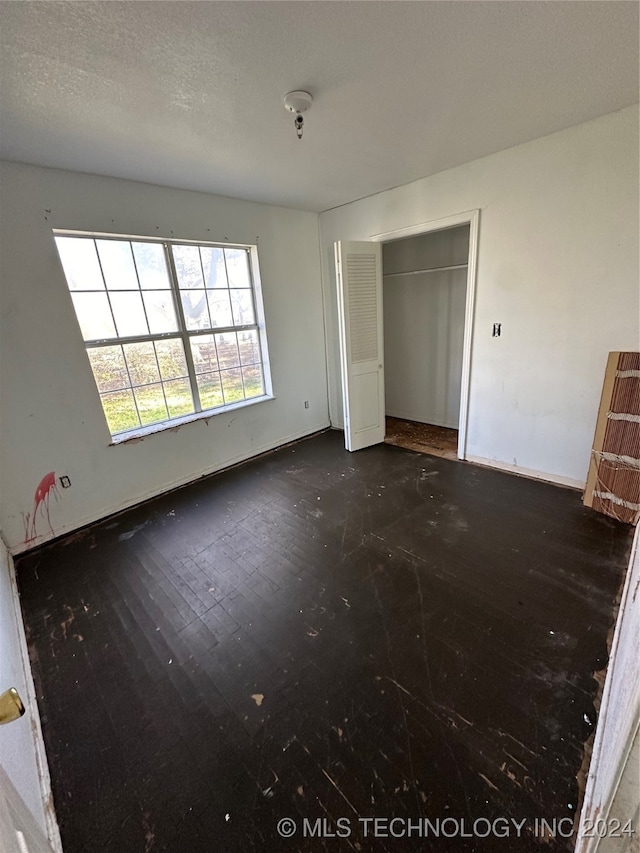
point(424, 295)
point(432, 267)
point(360, 326)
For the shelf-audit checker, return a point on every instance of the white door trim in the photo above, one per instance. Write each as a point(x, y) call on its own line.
point(619, 715)
point(471, 218)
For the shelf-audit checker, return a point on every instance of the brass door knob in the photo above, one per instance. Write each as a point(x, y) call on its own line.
point(11, 707)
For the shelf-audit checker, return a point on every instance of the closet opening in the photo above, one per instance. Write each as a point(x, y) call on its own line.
point(426, 309)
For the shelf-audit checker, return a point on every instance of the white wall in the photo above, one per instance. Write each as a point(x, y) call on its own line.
point(557, 266)
point(21, 746)
point(423, 339)
point(52, 419)
point(424, 326)
point(447, 247)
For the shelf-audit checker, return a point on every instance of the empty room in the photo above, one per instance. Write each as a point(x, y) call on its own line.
point(319, 426)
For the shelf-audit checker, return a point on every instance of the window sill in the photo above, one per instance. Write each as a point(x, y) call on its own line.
point(175, 423)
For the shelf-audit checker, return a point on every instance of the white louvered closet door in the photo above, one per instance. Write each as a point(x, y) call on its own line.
point(359, 277)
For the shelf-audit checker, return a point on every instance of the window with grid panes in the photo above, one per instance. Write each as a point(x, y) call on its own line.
point(172, 329)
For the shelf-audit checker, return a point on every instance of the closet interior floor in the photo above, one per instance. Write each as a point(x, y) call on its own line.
point(423, 438)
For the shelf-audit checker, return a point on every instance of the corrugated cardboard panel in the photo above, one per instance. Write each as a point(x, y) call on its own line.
point(613, 483)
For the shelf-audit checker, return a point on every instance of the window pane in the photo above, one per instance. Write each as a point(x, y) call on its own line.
point(188, 268)
point(220, 308)
point(215, 274)
point(151, 405)
point(242, 307)
point(249, 347)
point(94, 315)
point(151, 265)
point(171, 358)
point(120, 411)
point(129, 313)
point(227, 346)
point(141, 359)
point(210, 390)
point(117, 264)
point(253, 382)
point(179, 400)
point(194, 305)
point(80, 263)
point(232, 385)
point(127, 289)
point(109, 368)
point(238, 267)
point(160, 311)
point(203, 351)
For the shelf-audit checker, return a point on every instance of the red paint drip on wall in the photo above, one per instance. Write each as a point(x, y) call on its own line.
point(41, 500)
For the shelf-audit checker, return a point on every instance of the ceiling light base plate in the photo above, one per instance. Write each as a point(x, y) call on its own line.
point(298, 101)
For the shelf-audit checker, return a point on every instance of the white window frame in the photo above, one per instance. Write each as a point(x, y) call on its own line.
point(182, 332)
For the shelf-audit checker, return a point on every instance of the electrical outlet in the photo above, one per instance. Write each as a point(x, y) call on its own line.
point(306, 404)
point(497, 328)
point(65, 482)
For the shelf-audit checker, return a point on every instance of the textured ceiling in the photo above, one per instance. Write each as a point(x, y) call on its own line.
point(189, 94)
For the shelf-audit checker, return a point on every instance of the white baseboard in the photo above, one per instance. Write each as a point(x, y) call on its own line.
point(528, 472)
point(105, 512)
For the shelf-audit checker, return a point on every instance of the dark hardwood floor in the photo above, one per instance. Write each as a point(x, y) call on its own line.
point(322, 635)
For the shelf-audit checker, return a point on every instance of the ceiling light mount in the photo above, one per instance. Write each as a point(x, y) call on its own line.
point(298, 102)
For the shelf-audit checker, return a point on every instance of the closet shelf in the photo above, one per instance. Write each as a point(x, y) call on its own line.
point(433, 269)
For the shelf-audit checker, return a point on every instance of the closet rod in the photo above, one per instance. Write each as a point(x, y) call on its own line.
point(433, 269)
